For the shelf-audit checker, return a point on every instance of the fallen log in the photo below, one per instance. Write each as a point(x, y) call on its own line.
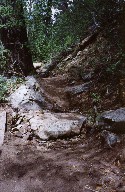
point(74, 50)
point(55, 61)
point(87, 41)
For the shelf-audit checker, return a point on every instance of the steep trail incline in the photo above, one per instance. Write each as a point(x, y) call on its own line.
point(63, 95)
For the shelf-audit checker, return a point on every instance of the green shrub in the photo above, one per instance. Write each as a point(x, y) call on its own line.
point(3, 89)
point(8, 86)
point(3, 57)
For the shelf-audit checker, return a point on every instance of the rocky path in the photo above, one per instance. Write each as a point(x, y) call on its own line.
point(80, 163)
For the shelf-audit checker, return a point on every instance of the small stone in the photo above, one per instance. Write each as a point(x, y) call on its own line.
point(18, 134)
point(14, 129)
point(110, 138)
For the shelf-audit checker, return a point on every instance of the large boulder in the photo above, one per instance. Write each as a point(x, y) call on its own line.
point(113, 120)
point(55, 125)
point(27, 96)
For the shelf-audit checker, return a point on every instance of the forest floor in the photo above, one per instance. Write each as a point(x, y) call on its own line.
point(79, 164)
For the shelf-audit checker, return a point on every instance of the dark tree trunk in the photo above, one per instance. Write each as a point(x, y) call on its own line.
point(14, 39)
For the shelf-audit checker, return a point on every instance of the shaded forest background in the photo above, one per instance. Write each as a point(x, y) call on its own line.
point(38, 30)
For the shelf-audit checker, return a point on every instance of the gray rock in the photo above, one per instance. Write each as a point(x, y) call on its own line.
point(43, 70)
point(18, 134)
point(27, 96)
point(78, 89)
point(113, 120)
point(3, 120)
point(87, 77)
point(111, 139)
point(53, 125)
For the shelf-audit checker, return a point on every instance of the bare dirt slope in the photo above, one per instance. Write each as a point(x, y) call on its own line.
point(79, 164)
point(60, 94)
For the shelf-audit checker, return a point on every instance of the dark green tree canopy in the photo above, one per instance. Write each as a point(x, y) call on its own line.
point(53, 25)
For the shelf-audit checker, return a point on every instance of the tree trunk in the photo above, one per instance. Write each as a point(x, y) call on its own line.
point(14, 39)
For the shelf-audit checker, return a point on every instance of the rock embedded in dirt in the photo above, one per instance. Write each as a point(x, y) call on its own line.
point(87, 76)
point(78, 89)
point(3, 124)
point(111, 139)
point(113, 120)
point(55, 125)
point(27, 96)
point(44, 69)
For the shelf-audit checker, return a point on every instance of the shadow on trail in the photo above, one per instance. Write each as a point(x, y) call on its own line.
point(61, 168)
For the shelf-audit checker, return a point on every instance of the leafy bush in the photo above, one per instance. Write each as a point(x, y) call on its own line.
point(7, 86)
point(3, 89)
point(3, 57)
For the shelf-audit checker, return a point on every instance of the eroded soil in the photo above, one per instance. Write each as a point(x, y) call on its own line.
point(59, 100)
point(80, 164)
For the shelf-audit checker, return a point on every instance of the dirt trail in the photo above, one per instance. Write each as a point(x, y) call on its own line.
point(79, 164)
point(54, 91)
point(61, 100)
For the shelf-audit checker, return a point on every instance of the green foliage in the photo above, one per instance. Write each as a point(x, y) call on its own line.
point(7, 19)
point(13, 34)
point(95, 97)
point(49, 34)
point(113, 67)
point(3, 57)
point(7, 86)
point(3, 89)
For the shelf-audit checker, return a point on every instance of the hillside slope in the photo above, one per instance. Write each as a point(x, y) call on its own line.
point(92, 62)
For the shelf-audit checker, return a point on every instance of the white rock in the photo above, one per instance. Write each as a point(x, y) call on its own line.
point(37, 64)
point(53, 125)
point(3, 119)
point(26, 96)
